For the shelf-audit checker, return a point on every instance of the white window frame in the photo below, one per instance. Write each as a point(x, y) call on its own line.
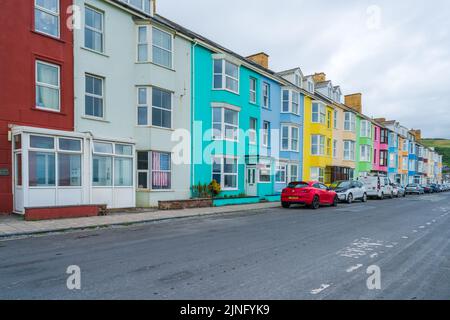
point(253, 91)
point(223, 125)
point(145, 105)
point(365, 153)
point(351, 122)
point(266, 134)
point(225, 76)
point(290, 138)
point(142, 7)
point(222, 171)
point(49, 12)
point(252, 132)
point(149, 172)
point(146, 43)
point(164, 49)
point(365, 129)
point(335, 147)
point(290, 175)
point(46, 85)
point(266, 95)
point(281, 167)
point(321, 112)
point(290, 102)
point(150, 113)
point(335, 119)
point(319, 175)
point(320, 145)
point(102, 31)
point(351, 150)
point(265, 167)
point(102, 97)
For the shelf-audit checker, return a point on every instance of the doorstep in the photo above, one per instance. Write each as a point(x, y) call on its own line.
point(18, 227)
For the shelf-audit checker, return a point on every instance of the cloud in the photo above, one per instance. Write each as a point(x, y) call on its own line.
point(397, 53)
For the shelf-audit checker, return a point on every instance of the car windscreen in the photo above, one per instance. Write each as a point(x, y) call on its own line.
point(297, 185)
point(341, 184)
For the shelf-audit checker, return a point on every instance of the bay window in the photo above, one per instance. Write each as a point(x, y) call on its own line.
point(154, 170)
point(383, 158)
point(142, 5)
point(225, 172)
point(281, 173)
point(317, 145)
point(142, 46)
point(161, 108)
point(226, 75)
point(48, 86)
point(46, 17)
point(225, 124)
point(291, 102)
point(265, 174)
point(162, 48)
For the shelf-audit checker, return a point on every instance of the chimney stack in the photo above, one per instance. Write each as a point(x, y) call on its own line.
point(354, 101)
point(320, 77)
point(380, 120)
point(260, 58)
point(417, 134)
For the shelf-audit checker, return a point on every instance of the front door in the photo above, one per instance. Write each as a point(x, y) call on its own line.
point(251, 186)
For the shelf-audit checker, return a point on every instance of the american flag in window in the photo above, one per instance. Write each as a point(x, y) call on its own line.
point(161, 170)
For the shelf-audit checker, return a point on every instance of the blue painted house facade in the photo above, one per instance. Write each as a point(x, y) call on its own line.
point(393, 156)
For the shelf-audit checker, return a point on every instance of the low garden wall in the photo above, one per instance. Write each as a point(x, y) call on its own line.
point(185, 204)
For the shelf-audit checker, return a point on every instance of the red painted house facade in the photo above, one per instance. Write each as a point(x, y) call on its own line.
point(36, 75)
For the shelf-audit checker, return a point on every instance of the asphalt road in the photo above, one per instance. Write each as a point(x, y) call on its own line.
point(271, 254)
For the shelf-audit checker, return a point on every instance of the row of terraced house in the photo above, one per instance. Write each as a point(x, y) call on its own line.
point(107, 102)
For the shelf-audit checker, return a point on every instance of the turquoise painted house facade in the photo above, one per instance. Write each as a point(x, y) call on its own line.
point(231, 106)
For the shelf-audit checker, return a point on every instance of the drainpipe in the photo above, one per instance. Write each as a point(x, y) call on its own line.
point(89, 167)
point(193, 111)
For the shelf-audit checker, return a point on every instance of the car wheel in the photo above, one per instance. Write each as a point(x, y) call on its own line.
point(382, 196)
point(350, 198)
point(391, 196)
point(315, 203)
point(335, 201)
point(364, 198)
point(404, 195)
point(286, 205)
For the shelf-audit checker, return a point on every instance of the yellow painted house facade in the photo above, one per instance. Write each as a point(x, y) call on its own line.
point(318, 140)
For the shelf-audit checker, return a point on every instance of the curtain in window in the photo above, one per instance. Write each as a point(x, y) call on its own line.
point(47, 88)
point(161, 177)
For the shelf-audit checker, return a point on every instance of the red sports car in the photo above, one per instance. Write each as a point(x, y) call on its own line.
point(313, 194)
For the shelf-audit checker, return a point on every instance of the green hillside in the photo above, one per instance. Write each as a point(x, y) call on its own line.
point(442, 146)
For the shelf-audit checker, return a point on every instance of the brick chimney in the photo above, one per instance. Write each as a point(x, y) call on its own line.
point(354, 101)
point(260, 58)
point(320, 77)
point(380, 120)
point(417, 134)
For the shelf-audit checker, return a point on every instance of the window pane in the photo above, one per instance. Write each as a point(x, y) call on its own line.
point(217, 81)
point(218, 66)
point(124, 150)
point(123, 172)
point(47, 74)
point(162, 39)
point(42, 142)
point(17, 142)
point(69, 144)
point(162, 57)
point(142, 160)
point(162, 99)
point(102, 171)
point(161, 174)
point(232, 84)
point(142, 35)
point(217, 115)
point(217, 165)
point(142, 116)
point(231, 117)
point(231, 70)
point(230, 166)
point(230, 181)
point(69, 169)
point(47, 98)
point(46, 23)
point(103, 147)
point(41, 169)
point(142, 52)
point(161, 118)
point(142, 180)
point(18, 171)
point(94, 19)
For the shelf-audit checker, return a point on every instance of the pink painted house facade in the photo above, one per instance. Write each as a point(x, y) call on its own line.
point(380, 149)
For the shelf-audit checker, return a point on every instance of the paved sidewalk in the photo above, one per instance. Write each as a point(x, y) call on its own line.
point(10, 227)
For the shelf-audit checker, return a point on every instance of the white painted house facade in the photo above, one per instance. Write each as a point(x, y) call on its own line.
point(132, 81)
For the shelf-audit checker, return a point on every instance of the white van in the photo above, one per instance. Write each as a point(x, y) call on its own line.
point(378, 186)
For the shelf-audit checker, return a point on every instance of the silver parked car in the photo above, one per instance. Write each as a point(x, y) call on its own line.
point(414, 188)
point(399, 190)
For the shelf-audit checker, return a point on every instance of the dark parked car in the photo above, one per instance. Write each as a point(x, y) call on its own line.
point(435, 187)
point(427, 189)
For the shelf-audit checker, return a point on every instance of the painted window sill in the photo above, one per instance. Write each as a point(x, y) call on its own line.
point(96, 52)
point(95, 119)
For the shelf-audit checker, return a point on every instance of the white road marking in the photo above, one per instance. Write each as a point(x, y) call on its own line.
point(415, 231)
point(422, 227)
point(428, 223)
point(322, 288)
point(405, 237)
point(360, 247)
point(374, 255)
point(389, 246)
point(354, 268)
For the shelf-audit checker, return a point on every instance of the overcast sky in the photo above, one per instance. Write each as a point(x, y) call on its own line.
point(396, 53)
